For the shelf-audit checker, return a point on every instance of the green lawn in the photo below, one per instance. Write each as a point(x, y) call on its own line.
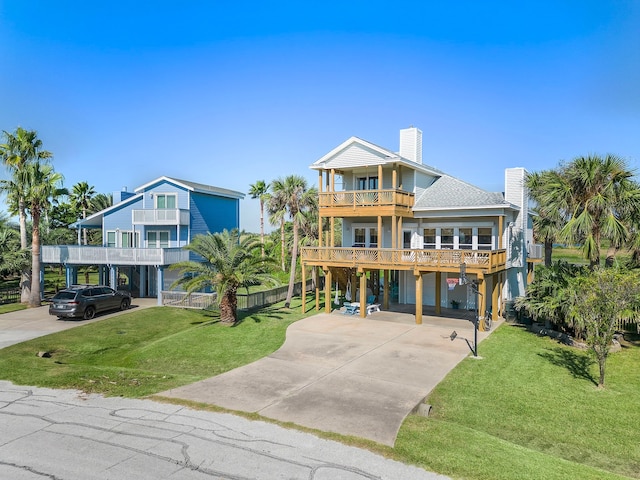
point(529, 409)
point(11, 307)
point(146, 351)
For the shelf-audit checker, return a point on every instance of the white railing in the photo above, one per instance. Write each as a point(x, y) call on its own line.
point(160, 216)
point(186, 300)
point(91, 255)
point(535, 251)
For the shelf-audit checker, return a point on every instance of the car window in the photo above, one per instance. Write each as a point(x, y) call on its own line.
point(106, 291)
point(64, 296)
point(89, 292)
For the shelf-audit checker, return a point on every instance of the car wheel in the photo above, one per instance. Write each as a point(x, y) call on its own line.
point(89, 313)
point(125, 304)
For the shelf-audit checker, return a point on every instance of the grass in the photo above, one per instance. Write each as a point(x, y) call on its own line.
point(529, 409)
point(11, 307)
point(146, 351)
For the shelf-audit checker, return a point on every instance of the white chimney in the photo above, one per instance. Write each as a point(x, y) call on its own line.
point(411, 144)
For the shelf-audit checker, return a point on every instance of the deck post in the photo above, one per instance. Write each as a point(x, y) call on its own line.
point(363, 294)
point(317, 288)
point(495, 296)
point(438, 293)
point(418, 276)
point(386, 286)
point(482, 300)
point(327, 290)
point(303, 293)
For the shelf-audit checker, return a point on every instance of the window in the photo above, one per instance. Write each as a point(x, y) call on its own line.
point(367, 183)
point(158, 239)
point(165, 201)
point(406, 239)
point(429, 238)
point(485, 241)
point(446, 238)
point(373, 238)
point(465, 238)
point(129, 239)
point(111, 239)
point(359, 237)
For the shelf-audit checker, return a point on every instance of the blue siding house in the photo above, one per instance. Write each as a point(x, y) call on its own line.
point(144, 231)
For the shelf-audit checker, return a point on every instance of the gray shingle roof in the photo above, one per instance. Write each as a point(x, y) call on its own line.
point(450, 192)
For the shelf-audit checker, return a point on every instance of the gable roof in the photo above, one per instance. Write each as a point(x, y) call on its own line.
point(365, 154)
point(95, 220)
point(447, 192)
point(193, 187)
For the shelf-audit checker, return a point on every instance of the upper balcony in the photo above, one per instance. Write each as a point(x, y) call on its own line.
point(160, 216)
point(92, 255)
point(477, 261)
point(366, 203)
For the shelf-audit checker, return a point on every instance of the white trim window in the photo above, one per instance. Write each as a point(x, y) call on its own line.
point(429, 238)
point(158, 239)
point(365, 237)
point(485, 238)
point(166, 201)
point(111, 239)
point(129, 239)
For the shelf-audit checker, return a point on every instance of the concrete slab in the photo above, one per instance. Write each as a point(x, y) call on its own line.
point(343, 374)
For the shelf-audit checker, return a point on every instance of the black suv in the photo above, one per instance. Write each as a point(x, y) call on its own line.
point(87, 300)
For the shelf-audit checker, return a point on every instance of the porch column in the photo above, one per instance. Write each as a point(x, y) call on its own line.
point(143, 281)
point(320, 209)
point(113, 277)
point(327, 290)
point(495, 296)
point(418, 276)
point(68, 274)
point(386, 286)
point(379, 231)
point(482, 299)
point(500, 231)
point(160, 283)
point(317, 288)
point(303, 293)
point(332, 224)
point(400, 234)
point(501, 290)
point(438, 293)
point(379, 182)
point(363, 294)
point(41, 273)
point(394, 231)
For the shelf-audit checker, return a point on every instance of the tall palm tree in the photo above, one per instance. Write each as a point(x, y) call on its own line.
point(548, 219)
point(260, 190)
point(81, 196)
point(297, 198)
point(228, 263)
point(100, 202)
point(277, 210)
point(20, 149)
point(43, 185)
point(597, 197)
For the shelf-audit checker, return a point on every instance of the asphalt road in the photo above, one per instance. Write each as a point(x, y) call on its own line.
point(69, 435)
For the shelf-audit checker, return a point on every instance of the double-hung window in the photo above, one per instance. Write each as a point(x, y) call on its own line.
point(157, 239)
point(166, 201)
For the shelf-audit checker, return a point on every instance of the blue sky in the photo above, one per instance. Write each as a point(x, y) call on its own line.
point(227, 93)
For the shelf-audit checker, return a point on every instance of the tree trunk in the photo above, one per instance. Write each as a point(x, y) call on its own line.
point(34, 297)
point(25, 275)
point(611, 256)
point(229, 307)
point(601, 363)
point(262, 228)
point(548, 251)
point(284, 268)
point(294, 258)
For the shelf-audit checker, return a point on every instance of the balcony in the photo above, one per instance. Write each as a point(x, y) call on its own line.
point(477, 261)
point(159, 216)
point(365, 203)
point(90, 255)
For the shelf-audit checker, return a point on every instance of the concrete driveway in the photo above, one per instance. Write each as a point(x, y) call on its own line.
point(343, 374)
point(23, 325)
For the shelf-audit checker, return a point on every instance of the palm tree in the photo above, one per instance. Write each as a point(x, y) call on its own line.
point(297, 198)
point(597, 197)
point(42, 186)
point(548, 220)
point(277, 210)
point(228, 263)
point(20, 149)
point(100, 202)
point(260, 190)
point(81, 196)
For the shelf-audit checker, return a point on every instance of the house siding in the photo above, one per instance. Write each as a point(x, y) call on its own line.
point(213, 214)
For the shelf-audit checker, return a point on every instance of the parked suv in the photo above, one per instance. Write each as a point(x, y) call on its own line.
point(87, 300)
